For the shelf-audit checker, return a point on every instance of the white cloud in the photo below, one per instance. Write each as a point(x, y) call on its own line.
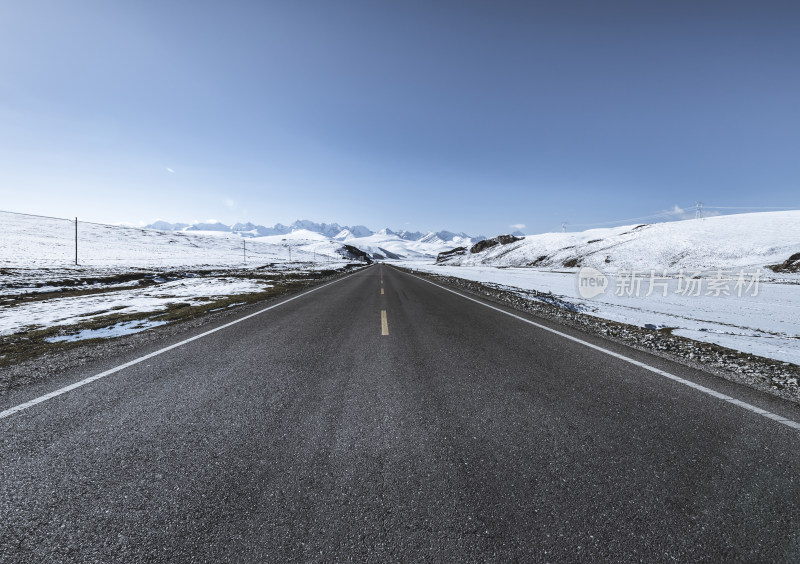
point(229, 203)
point(517, 226)
point(677, 212)
point(170, 170)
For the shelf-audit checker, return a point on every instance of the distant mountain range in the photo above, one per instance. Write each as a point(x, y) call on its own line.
point(330, 230)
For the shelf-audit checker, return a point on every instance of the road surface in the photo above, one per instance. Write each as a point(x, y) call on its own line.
point(382, 418)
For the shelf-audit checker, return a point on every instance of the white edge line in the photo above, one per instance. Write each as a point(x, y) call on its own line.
point(17, 408)
point(698, 387)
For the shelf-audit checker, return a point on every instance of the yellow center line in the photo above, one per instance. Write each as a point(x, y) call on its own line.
point(384, 323)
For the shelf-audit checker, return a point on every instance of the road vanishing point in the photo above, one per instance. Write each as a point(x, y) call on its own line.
point(384, 418)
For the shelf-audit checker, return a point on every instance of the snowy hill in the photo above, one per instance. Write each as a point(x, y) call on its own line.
point(722, 242)
point(35, 242)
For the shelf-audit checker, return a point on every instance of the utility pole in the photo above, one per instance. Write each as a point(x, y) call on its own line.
point(288, 244)
point(698, 210)
point(76, 241)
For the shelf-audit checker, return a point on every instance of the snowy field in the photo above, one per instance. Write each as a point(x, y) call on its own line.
point(72, 310)
point(32, 242)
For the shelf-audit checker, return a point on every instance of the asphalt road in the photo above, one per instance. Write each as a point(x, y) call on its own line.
point(307, 433)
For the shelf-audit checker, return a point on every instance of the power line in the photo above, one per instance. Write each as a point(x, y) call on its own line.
point(653, 216)
point(751, 208)
point(36, 215)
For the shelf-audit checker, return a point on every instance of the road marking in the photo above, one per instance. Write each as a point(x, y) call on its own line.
point(90, 379)
point(384, 323)
point(381, 291)
point(698, 387)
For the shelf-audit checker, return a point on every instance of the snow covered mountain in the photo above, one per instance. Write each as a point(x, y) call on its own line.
point(210, 226)
point(388, 244)
point(729, 242)
point(331, 230)
point(385, 243)
point(166, 226)
point(244, 229)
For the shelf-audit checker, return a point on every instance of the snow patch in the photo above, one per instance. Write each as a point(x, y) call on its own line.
point(117, 330)
point(72, 310)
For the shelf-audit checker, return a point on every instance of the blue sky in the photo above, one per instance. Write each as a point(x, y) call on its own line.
point(466, 115)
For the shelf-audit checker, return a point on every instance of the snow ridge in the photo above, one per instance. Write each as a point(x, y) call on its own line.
point(729, 242)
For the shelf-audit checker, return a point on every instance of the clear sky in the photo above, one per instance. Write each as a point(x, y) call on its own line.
point(463, 115)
